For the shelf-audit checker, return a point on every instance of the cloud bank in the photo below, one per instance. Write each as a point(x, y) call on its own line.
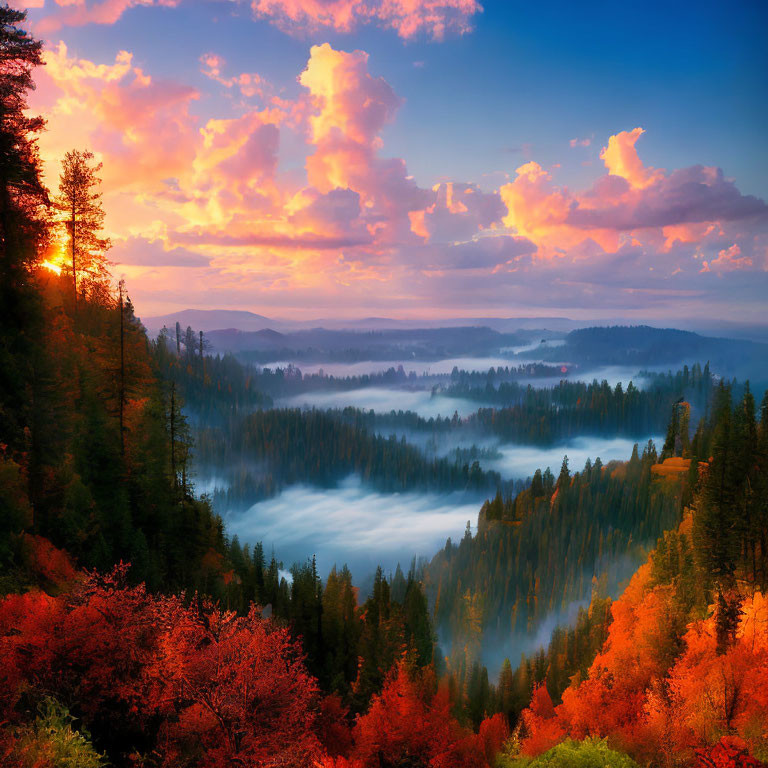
point(409, 19)
point(294, 203)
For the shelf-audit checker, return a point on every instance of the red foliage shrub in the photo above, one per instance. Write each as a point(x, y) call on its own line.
point(729, 752)
point(410, 724)
point(193, 683)
point(493, 732)
point(48, 562)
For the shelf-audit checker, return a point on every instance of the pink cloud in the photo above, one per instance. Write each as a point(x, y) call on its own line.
point(142, 125)
point(408, 18)
point(248, 83)
point(297, 203)
point(727, 260)
point(349, 109)
point(458, 212)
point(23, 5)
point(632, 204)
point(77, 13)
point(434, 19)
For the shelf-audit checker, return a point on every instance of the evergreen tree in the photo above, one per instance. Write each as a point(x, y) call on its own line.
point(715, 522)
point(82, 216)
point(23, 201)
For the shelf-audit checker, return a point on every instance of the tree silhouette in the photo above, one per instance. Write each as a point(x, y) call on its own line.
point(82, 215)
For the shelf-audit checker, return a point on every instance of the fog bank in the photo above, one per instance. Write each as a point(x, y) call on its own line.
point(383, 400)
point(354, 525)
point(523, 460)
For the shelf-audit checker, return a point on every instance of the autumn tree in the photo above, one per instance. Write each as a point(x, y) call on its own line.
point(82, 216)
point(189, 683)
point(410, 724)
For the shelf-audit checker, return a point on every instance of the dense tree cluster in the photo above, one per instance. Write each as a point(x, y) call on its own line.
point(686, 654)
point(550, 415)
point(287, 381)
point(268, 450)
point(542, 416)
point(101, 467)
point(536, 554)
point(213, 389)
point(86, 452)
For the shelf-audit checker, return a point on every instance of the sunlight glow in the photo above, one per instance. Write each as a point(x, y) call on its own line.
point(50, 265)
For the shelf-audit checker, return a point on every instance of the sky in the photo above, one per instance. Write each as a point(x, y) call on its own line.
point(421, 158)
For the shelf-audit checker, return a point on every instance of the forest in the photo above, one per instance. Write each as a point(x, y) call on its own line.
point(317, 447)
point(136, 631)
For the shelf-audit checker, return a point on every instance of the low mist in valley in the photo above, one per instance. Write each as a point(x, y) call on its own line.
point(354, 525)
point(521, 461)
point(383, 400)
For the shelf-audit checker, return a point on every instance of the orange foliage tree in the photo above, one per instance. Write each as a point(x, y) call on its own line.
point(661, 691)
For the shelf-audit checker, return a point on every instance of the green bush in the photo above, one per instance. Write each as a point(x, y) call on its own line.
point(51, 741)
point(590, 753)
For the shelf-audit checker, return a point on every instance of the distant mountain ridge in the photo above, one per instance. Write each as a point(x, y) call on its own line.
point(241, 320)
point(209, 320)
point(643, 345)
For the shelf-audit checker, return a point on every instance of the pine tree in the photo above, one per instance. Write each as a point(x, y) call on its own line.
point(82, 216)
point(23, 200)
point(715, 521)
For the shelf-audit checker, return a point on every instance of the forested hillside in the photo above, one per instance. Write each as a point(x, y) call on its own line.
point(271, 449)
point(644, 346)
point(214, 389)
point(543, 416)
point(536, 555)
point(682, 673)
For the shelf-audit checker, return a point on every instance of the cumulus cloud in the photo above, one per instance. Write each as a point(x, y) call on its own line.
point(621, 159)
point(457, 212)
point(632, 205)
point(294, 202)
point(142, 124)
point(249, 84)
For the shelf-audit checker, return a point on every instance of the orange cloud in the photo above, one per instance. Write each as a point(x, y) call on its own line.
point(621, 159)
point(142, 125)
point(540, 211)
point(435, 19)
point(631, 206)
point(351, 104)
point(297, 198)
point(349, 109)
point(248, 83)
point(688, 233)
